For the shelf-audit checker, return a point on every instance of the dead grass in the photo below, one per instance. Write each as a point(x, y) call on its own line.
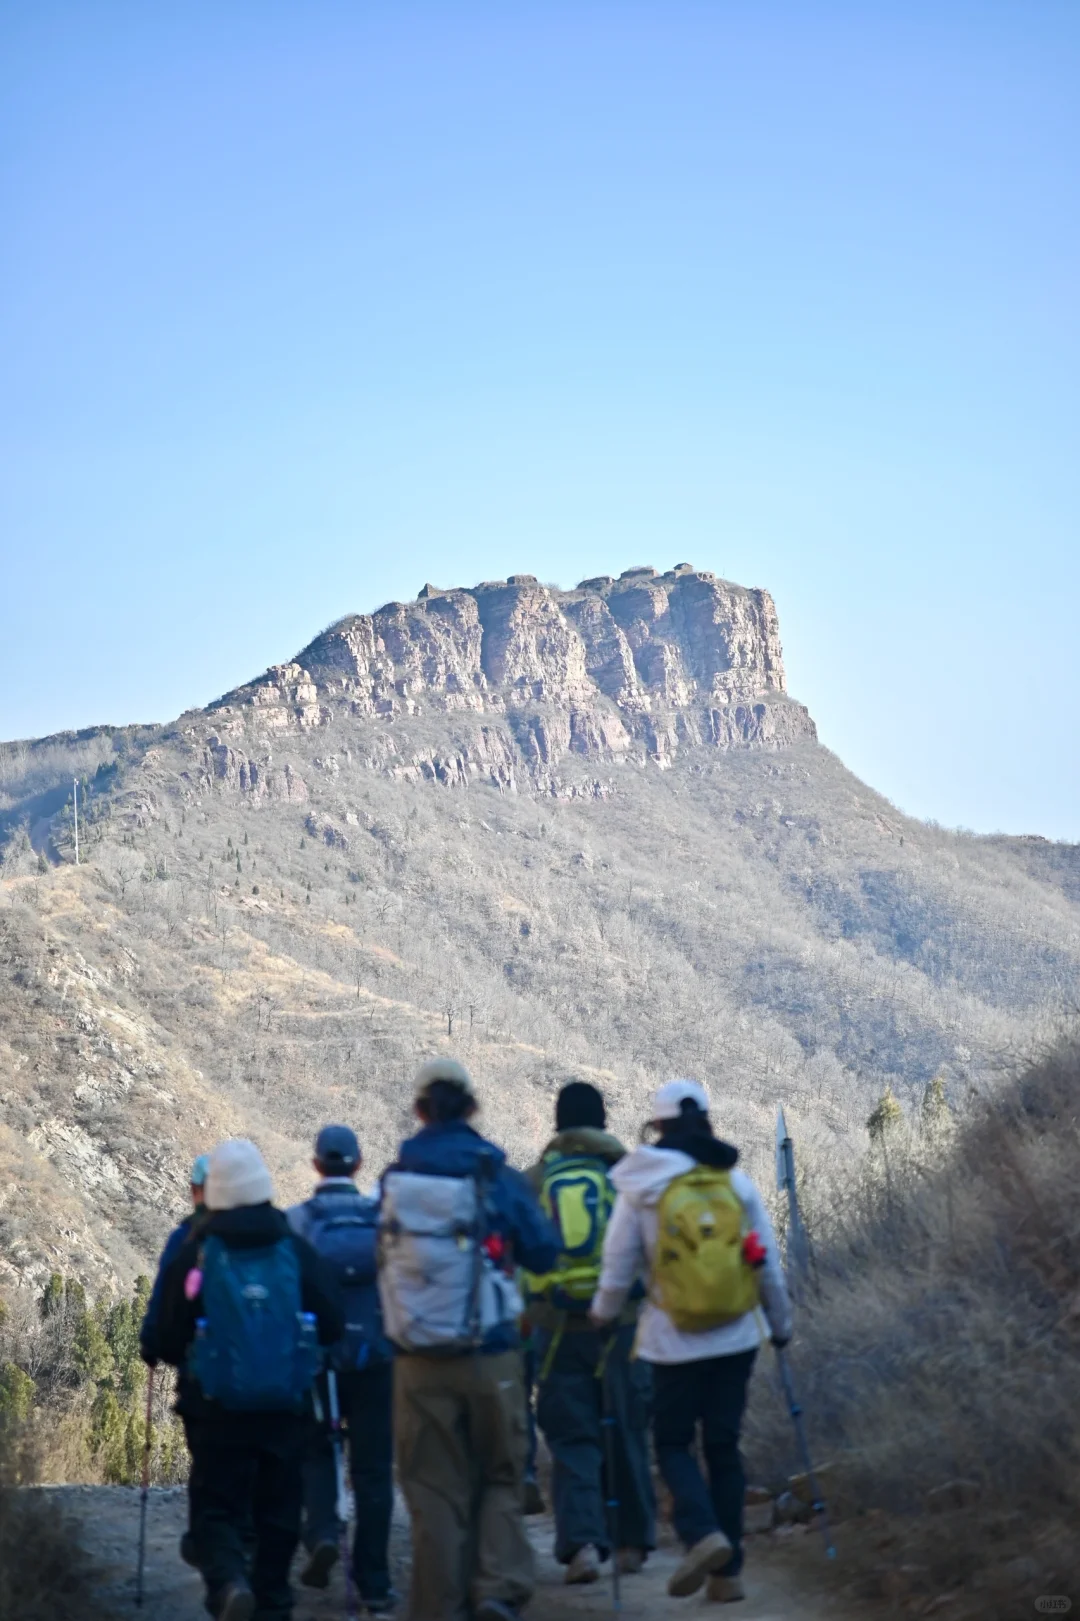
point(45, 1573)
point(939, 1361)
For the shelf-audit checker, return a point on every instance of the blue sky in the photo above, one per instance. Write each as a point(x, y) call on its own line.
point(304, 305)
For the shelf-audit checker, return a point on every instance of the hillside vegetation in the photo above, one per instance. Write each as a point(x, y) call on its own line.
point(583, 833)
point(938, 1354)
point(219, 965)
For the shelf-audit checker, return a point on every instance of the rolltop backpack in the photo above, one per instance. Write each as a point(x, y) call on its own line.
point(577, 1196)
point(700, 1276)
point(441, 1290)
point(255, 1349)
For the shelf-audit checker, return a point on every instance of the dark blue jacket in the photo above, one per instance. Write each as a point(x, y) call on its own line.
point(453, 1148)
point(148, 1333)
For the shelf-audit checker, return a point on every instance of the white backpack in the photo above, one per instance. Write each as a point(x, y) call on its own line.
point(439, 1289)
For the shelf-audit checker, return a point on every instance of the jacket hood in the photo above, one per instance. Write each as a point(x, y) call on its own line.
point(643, 1174)
point(449, 1148)
point(587, 1140)
point(248, 1226)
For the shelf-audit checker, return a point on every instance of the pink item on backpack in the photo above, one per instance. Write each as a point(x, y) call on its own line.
point(193, 1283)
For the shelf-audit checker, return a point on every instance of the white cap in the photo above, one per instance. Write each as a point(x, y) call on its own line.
point(667, 1104)
point(237, 1176)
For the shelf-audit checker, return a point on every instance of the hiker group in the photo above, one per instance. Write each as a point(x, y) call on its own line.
point(606, 1291)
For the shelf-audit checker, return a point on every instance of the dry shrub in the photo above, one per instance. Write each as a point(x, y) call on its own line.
point(939, 1359)
point(45, 1575)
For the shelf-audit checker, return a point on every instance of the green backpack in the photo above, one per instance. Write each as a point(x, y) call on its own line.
point(577, 1195)
point(699, 1276)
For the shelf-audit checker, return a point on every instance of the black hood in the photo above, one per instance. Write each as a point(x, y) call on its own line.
point(250, 1226)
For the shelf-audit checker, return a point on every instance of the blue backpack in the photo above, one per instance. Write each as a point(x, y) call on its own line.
point(344, 1231)
point(255, 1350)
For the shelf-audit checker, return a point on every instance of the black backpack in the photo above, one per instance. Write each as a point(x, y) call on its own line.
point(344, 1231)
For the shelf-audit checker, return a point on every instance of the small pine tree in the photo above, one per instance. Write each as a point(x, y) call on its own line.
point(90, 1351)
point(108, 1436)
point(16, 1394)
point(51, 1299)
point(61, 1293)
point(935, 1105)
point(884, 1116)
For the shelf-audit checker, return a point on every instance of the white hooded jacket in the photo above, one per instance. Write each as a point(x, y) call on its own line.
point(630, 1243)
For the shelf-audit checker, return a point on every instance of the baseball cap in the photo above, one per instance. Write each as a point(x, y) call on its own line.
point(669, 1099)
point(337, 1148)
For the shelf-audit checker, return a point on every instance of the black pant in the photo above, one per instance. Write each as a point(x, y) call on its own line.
point(713, 1393)
point(247, 1473)
point(366, 1401)
point(569, 1410)
point(192, 1484)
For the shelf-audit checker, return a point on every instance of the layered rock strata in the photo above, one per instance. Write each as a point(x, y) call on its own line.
point(640, 664)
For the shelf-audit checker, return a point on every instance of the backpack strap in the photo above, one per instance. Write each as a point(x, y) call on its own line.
point(552, 1350)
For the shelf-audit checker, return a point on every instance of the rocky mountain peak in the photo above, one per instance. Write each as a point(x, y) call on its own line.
point(642, 662)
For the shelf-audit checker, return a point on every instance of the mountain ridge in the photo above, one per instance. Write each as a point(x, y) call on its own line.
point(467, 824)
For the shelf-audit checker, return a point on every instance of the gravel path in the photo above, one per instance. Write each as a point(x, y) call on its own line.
point(776, 1574)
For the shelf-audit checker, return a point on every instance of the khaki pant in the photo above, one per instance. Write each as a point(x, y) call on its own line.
point(461, 1438)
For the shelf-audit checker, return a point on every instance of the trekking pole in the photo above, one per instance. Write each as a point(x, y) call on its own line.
point(611, 1495)
point(817, 1504)
point(144, 1495)
point(342, 1495)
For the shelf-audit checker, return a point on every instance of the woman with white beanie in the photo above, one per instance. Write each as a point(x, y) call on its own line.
point(242, 1305)
point(696, 1227)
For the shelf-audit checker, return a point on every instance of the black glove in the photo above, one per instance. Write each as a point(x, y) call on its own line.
point(780, 1340)
point(148, 1358)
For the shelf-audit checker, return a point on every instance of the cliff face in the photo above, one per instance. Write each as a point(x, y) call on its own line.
point(615, 667)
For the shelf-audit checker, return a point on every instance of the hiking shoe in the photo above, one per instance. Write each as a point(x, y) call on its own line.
point(385, 1605)
point(629, 1561)
point(237, 1603)
point(321, 1561)
point(703, 1560)
point(584, 1566)
point(189, 1550)
point(725, 1589)
point(534, 1499)
point(496, 1609)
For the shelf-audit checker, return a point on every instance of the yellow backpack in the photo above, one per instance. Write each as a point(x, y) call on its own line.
point(576, 1196)
point(699, 1277)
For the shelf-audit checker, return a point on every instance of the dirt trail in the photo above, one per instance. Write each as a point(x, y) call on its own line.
point(777, 1589)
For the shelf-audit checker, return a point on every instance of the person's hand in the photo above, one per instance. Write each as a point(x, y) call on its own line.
point(598, 1322)
point(151, 1361)
point(779, 1341)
